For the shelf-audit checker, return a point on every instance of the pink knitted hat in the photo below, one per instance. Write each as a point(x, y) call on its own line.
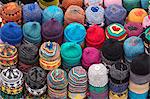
point(107, 3)
point(146, 21)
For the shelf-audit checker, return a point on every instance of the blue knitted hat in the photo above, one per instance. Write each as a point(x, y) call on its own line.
point(32, 12)
point(11, 33)
point(144, 4)
point(53, 12)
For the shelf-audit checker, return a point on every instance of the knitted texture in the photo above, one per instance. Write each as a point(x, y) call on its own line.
point(95, 37)
point(107, 3)
point(116, 31)
point(144, 4)
point(146, 21)
point(131, 4)
point(133, 95)
point(32, 12)
point(53, 12)
point(46, 3)
point(72, 11)
point(93, 2)
point(123, 95)
point(115, 14)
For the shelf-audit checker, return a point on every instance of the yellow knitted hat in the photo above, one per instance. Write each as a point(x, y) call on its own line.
point(43, 4)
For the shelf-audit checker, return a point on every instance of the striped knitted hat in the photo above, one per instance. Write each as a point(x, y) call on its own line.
point(46, 3)
point(107, 3)
point(116, 31)
point(146, 21)
point(93, 2)
point(131, 4)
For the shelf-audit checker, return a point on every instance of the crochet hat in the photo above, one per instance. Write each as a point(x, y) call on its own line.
point(53, 12)
point(144, 4)
point(52, 30)
point(107, 3)
point(131, 4)
point(73, 11)
point(11, 33)
point(11, 12)
point(32, 32)
point(32, 12)
point(71, 54)
point(95, 36)
point(95, 15)
point(116, 31)
point(46, 3)
point(115, 14)
point(136, 15)
point(133, 29)
point(93, 2)
point(90, 56)
point(50, 55)
point(75, 32)
point(146, 21)
point(133, 47)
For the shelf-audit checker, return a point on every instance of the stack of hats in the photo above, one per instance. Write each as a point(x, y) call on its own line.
point(12, 84)
point(139, 77)
point(57, 81)
point(144, 4)
point(136, 15)
point(133, 47)
point(46, 3)
point(35, 83)
point(53, 12)
point(133, 29)
point(11, 33)
point(98, 80)
point(107, 3)
point(112, 52)
point(93, 2)
point(52, 30)
point(11, 12)
point(131, 4)
point(90, 56)
point(71, 54)
point(116, 31)
point(95, 15)
point(50, 55)
point(118, 82)
point(95, 36)
point(73, 11)
point(115, 14)
point(78, 81)
point(32, 12)
point(75, 32)
point(28, 57)
point(146, 21)
point(32, 33)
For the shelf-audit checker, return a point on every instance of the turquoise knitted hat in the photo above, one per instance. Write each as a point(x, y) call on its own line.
point(131, 4)
point(145, 3)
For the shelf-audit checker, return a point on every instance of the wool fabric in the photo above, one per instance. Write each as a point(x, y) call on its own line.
point(136, 15)
point(133, 95)
point(144, 4)
point(133, 46)
point(76, 95)
point(146, 21)
point(52, 12)
point(131, 4)
point(107, 3)
point(93, 2)
point(95, 15)
point(133, 29)
point(46, 3)
point(7, 96)
point(28, 95)
point(32, 12)
point(95, 37)
point(116, 31)
point(123, 95)
point(115, 14)
point(11, 33)
point(75, 32)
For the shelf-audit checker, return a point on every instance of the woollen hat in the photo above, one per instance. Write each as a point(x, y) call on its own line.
point(133, 29)
point(144, 4)
point(93, 2)
point(32, 12)
point(90, 56)
point(95, 37)
point(11, 33)
point(46, 3)
point(115, 14)
point(146, 21)
point(133, 46)
point(107, 3)
point(72, 11)
point(116, 31)
point(131, 4)
point(136, 15)
point(53, 12)
point(54, 34)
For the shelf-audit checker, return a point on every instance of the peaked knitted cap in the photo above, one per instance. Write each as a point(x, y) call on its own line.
point(131, 4)
point(93, 2)
point(107, 3)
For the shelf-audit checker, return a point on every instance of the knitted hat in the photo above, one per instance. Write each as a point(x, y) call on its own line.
point(123, 95)
point(32, 12)
point(133, 29)
point(95, 15)
point(95, 36)
point(90, 56)
point(28, 95)
point(67, 3)
point(8, 55)
point(11, 33)
point(136, 15)
point(52, 30)
point(131, 4)
point(28, 1)
point(146, 21)
point(75, 32)
point(93, 2)
point(115, 14)
point(107, 3)
point(32, 32)
point(11, 12)
point(133, 47)
point(46, 3)
point(72, 11)
point(8, 96)
point(116, 31)
point(144, 4)
point(71, 54)
point(50, 55)
point(53, 12)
